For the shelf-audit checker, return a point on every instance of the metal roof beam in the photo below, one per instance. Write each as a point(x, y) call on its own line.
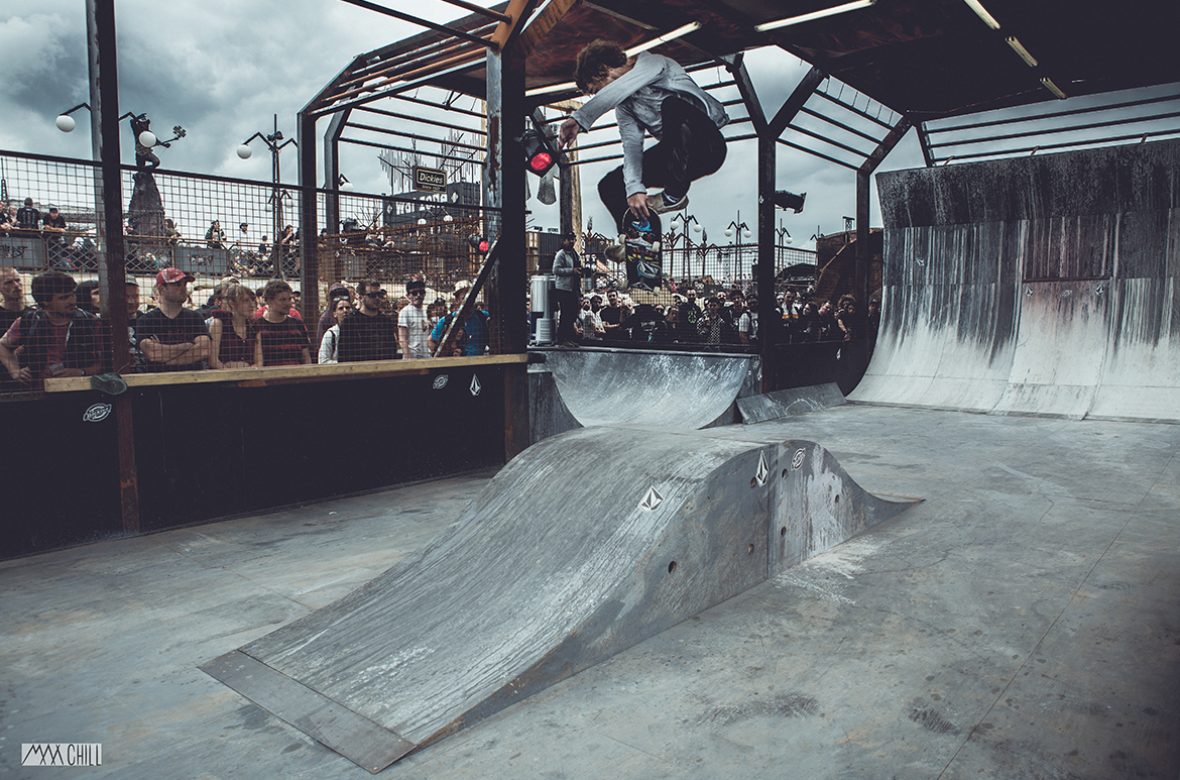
point(405, 17)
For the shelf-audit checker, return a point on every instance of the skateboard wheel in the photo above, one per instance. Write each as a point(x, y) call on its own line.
point(655, 246)
point(622, 238)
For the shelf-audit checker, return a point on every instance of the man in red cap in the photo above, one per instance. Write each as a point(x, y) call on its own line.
point(171, 337)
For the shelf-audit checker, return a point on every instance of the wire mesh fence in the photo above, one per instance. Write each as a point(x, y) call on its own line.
point(210, 285)
point(213, 270)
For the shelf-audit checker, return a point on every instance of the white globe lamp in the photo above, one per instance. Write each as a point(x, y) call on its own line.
point(65, 123)
point(245, 152)
point(147, 139)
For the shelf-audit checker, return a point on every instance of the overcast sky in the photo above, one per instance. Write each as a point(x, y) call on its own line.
point(222, 68)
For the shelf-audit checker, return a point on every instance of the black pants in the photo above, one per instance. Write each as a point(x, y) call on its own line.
point(568, 303)
point(690, 147)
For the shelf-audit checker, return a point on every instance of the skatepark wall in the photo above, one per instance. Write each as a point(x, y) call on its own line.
point(1040, 285)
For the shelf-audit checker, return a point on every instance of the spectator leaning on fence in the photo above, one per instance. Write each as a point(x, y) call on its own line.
point(329, 352)
point(12, 298)
point(713, 328)
point(215, 236)
point(472, 337)
point(592, 329)
point(328, 319)
point(368, 333)
point(413, 327)
point(847, 322)
point(171, 337)
point(54, 340)
point(232, 333)
point(281, 339)
point(54, 226)
point(739, 316)
point(614, 315)
point(28, 218)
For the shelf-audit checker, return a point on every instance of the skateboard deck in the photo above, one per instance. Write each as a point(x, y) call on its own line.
point(640, 238)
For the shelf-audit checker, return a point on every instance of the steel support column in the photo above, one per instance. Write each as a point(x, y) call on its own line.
point(309, 238)
point(505, 187)
point(332, 185)
point(768, 133)
point(864, 255)
point(767, 159)
point(504, 171)
point(108, 196)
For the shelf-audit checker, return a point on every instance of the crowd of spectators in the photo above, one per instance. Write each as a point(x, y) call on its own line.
point(718, 320)
point(29, 222)
point(63, 334)
point(73, 250)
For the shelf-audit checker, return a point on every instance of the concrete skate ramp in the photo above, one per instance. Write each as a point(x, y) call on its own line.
point(791, 402)
point(553, 568)
point(1043, 285)
point(679, 390)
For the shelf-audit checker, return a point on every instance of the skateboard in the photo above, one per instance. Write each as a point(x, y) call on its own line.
point(640, 239)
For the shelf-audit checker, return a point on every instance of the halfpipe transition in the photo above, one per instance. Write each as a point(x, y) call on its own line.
point(549, 571)
point(1042, 285)
point(671, 390)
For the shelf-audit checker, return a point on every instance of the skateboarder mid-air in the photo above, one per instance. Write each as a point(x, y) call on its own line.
point(652, 93)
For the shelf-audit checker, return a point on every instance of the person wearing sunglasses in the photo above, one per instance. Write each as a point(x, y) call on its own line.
point(368, 333)
point(413, 326)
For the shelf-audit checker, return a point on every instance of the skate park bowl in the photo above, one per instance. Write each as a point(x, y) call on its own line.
point(535, 584)
point(678, 390)
point(1039, 285)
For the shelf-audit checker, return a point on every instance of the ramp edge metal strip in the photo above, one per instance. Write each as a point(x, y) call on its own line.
point(367, 744)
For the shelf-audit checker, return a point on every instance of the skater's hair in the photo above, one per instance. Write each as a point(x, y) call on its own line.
point(595, 59)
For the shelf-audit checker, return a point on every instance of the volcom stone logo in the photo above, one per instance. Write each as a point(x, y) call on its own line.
point(96, 413)
point(797, 461)
point(651, 500)
point(762, 471)
point(475, 385)
point(440, 381)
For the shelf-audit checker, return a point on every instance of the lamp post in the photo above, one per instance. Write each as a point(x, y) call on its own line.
point(703, 248)
point(275, 143)
point(736, 230)
point(686, 220)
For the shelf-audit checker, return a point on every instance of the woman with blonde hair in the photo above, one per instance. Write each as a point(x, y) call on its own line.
point(232, 329)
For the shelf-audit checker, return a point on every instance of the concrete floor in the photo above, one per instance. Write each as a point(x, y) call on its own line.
point(1021, 623)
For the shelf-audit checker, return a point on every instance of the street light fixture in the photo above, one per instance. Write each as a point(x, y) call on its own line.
point(343, 183)
point(144, 137)
point(685, 220)
point(275, 143)
point(736, 227)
